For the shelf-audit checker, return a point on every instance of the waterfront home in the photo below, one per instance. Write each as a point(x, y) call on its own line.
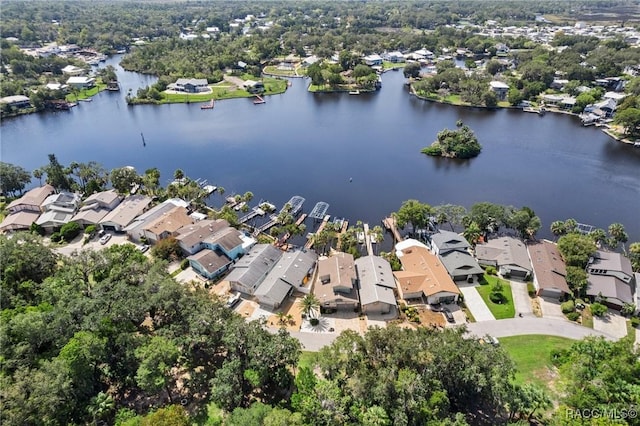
point(549, 270)
point(209, 263)
point(508, 255)
point(72, 70)
point(500, 89)
point(251, 269)
point(32, 200)
point(125, 213)
point(24, 211)
point(215, 235)
point(81, 82)
point(453, 250)
point(376, 286)
point(395, 57)
point(614, 96)
point(309, 60)
point(373, 60)
point(253, 86)
point(292, 272)
point(96, 207)
point(163, 226)
point(57, 86)
point(335, 284)
point(59, 209)
point(190, 85)
point(16, 101)
point(560, 101)
point(610, 278)
point(138, 228)
point(423, 276)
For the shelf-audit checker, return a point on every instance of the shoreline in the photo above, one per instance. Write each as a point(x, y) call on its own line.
point(605, 129)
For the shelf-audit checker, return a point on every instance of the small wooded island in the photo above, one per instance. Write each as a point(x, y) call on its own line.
point(460, 143)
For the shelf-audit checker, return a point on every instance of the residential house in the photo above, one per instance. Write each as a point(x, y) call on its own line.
point(190, 85)
point(125, 213)
point(16, 101)
point(377, 285)
point(373, 60)
point(508, 255)
point(614, 96)
point(24, 211)
point(609, 276)
point(291, 273)
point(209, 263)
point(96, 207)
point(500, 88)
point(309, 60)
point(32, 200)
point(395, 57)
point(251, 269)
point(59, 209)
point(453, 250)
point(253, 86)
point(72, 70)
point(137, 228)
point(166, 225)
point(549, 270)
point(213, 235)
point(81, 82)
point(423, 276)
point(335, 285)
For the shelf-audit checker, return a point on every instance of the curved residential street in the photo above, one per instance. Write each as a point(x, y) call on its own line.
point(532, 325)
point(498, 328)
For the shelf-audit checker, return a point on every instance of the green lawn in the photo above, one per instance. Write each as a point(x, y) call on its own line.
point(390, 65)
point(532, 356)
point(86, 93)
point(224, 90)
point(506, 310)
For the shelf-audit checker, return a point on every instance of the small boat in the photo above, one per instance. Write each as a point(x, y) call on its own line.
point(354, 92)
point(636, 145)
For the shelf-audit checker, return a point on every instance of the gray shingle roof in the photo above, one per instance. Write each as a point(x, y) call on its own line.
point(376, 280)
point(252, 268)
point(506, 251)
point(447, 240)
point(460, 263)
point(210, 260)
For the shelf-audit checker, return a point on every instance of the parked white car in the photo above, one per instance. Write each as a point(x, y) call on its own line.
point(105, 238)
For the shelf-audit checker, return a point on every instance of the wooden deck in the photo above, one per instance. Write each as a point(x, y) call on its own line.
point(309, 243)
point(391, 225)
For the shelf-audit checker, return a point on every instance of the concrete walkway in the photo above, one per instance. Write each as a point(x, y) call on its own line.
point(476, 305)
point(533, 325)
point(521, 300)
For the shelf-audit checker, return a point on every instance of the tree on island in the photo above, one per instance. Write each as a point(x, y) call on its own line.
point(460, 143)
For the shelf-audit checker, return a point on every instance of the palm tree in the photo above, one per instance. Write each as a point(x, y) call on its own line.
point(101, 405)
point(378, 235)
point(248, 196)
point(282, 318)
point(221, 190)
point(178, 174)
point(38, 174)
point(472, 233)
point(618, 235)
point(310, 305)
point(558, 228)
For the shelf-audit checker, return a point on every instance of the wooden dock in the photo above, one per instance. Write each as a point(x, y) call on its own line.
point(309, 243)
point(258, 100)
point(391, 225)
point(286, 236)
point(367, 240)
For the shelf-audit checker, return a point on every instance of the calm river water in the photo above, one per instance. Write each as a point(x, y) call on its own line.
point(361, 154)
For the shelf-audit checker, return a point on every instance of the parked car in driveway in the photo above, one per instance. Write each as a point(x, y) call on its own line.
point(448, 315)
point(143, 248)
point(233, 300)
point(105, 238)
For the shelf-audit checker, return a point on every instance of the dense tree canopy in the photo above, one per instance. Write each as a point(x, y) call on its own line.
point(460, 143)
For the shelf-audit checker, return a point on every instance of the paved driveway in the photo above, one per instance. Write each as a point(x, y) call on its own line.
point(550, 308)
point(533, 325)
point(521, 299)
point(612, 323)
point(476, 305)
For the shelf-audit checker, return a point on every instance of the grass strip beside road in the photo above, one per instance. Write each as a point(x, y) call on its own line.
point(532, 356)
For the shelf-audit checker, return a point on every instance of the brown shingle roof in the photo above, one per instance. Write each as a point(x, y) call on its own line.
point(169, 222)
point(336, 275)
point(423, 271)
point(548, 266)
point(34, 197)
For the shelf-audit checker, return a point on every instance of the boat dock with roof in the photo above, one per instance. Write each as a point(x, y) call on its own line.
point(319, 210)
point(295, 203)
